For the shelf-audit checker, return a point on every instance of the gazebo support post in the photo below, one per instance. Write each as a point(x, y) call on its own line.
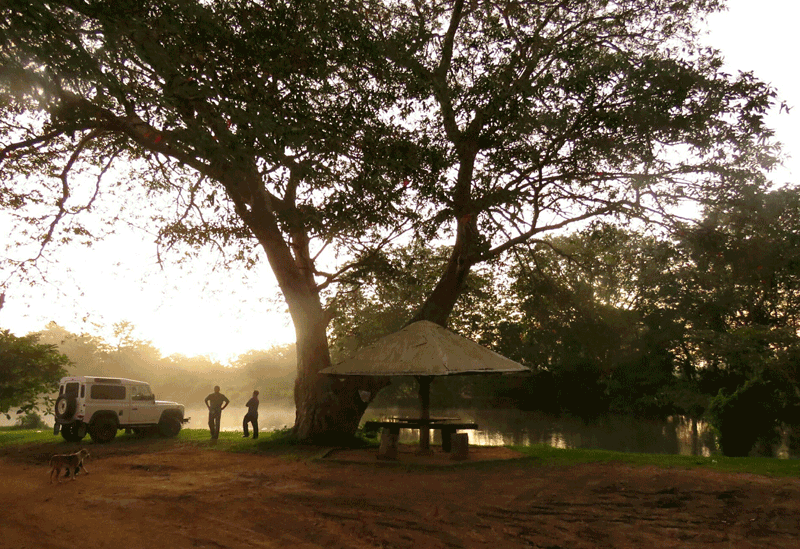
point(425, 405)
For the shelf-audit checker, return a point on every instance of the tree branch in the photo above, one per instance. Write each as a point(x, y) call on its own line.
point(62, 210)
point(29, 143)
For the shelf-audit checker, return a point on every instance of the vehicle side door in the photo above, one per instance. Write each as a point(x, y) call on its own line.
point(111, 397)
point(143, 408)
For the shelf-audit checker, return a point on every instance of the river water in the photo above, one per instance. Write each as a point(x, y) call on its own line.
point(675, 435)
point(514, 427)
point(620, 433)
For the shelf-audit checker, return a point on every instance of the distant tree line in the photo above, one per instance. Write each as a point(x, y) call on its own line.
point(176, 377)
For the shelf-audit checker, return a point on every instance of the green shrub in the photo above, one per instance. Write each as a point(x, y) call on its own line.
point(748, 416)
point(31, 420)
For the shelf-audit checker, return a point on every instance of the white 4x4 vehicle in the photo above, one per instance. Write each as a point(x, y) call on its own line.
point(100, 406)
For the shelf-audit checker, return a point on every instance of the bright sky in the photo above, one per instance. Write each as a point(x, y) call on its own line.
point(191, 311)
point(761, 36)
point(223, 314)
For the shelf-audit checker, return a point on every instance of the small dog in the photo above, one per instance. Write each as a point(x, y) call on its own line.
point(71, 462)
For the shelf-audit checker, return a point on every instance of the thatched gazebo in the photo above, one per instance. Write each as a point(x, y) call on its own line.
point(424, 350)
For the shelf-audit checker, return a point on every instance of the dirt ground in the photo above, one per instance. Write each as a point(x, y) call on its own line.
point(169, 494)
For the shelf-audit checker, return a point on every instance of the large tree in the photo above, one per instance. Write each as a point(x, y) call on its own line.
point(556, 112)
point(247, 115)
point(292, 127)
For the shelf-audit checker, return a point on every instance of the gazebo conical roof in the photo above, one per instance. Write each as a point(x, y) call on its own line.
point(424, 349)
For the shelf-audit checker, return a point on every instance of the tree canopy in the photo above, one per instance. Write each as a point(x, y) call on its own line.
point(317, 132)
point(701, 323)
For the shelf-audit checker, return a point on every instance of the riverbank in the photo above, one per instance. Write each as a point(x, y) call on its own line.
point(185, 494)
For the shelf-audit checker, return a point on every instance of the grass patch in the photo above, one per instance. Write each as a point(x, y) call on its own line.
point(280, 443)
point(229, 441)
point(10, 436)
point(547, 455)
point(232, 441)
point(277, 443)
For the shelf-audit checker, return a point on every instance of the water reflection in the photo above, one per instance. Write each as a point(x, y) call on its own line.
point(676, 435)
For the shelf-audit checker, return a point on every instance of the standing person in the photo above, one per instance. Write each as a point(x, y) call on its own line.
point(251, 416)
point(215, 402)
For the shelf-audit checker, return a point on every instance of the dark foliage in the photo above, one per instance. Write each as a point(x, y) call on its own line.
point(28, 370)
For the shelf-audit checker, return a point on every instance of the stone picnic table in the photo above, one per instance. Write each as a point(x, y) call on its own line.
point(447, 425)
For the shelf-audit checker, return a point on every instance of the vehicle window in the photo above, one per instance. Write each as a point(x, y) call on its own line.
point(83, 390)
point(71, 390)
point(107, 392)
point(141, 392)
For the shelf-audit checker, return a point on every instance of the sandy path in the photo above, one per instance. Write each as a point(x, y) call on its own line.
point(174, 495)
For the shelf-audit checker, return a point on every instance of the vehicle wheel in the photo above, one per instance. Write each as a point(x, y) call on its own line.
point(103, 430)
point(72, 432)
point(169, 426)
point(65, 407)
point(142, 432)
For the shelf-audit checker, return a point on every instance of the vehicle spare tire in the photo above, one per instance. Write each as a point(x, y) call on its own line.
point(66, 407)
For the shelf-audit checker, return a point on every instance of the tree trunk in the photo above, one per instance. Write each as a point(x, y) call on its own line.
point(440, 302)
point(326, 408)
